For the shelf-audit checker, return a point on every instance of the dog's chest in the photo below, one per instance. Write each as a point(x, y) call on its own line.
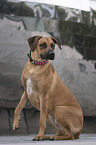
point(32, 93)
point(29, 86)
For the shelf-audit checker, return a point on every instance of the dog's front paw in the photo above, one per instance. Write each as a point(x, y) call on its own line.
point(38, 138)
point(16, 123)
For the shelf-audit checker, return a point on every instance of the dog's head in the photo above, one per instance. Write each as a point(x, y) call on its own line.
point(44, 46)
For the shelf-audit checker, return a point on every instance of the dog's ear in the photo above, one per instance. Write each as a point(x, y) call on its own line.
point(32, 41)
point(56, 41)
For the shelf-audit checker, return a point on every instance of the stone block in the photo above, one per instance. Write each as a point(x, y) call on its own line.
point(4, 122)
point(32, 119)
point(75, 88)
point(88, 106)
point(13, 37)
point(89, 125)
point(90, 42)
point(66, 65)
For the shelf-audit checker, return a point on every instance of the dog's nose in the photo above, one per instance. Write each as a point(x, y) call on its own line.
point(51, 54)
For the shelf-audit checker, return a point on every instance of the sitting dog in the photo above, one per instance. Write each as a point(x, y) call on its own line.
point(46, 92)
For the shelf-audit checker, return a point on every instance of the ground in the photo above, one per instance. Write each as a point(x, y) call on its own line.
point(85, 139)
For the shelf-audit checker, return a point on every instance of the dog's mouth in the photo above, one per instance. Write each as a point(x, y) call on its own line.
point(49, 55)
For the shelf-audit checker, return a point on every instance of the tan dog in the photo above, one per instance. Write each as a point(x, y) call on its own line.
point(45, 90)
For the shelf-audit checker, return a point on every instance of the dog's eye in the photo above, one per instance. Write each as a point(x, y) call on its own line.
point(52, 46)
point(43, 45)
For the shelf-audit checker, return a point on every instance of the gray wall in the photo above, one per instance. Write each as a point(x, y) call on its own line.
point(75, 64)
point(77, 73)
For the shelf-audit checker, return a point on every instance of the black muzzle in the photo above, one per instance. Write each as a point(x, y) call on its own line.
point(49, 55)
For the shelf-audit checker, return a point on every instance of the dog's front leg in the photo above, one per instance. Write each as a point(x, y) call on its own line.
point(43, 117)
point(21, 105)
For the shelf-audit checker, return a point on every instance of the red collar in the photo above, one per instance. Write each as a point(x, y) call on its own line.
point(36, 62)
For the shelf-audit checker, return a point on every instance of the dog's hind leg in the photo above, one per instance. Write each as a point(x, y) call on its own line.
point(63, 133)
point(67, 122)
point(53, 122)
point(24, 100)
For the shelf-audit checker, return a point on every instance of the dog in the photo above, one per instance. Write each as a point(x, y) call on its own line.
point(46, 92)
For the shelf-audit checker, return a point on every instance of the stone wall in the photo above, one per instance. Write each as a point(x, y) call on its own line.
point(77, 73)
point(75, 64)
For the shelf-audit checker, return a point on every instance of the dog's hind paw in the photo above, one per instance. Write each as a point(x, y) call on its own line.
point(39, 138)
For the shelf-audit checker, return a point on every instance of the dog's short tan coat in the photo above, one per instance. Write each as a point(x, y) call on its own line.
point(45, 90)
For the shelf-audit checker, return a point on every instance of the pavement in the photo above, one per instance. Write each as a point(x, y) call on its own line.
point(85, 139)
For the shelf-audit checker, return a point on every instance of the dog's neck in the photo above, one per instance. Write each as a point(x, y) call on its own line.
point(36, 62)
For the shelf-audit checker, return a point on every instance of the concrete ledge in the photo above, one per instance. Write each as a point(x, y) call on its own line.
point(85, 139)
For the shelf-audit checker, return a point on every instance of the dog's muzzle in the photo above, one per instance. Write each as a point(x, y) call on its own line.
point(49, 55)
